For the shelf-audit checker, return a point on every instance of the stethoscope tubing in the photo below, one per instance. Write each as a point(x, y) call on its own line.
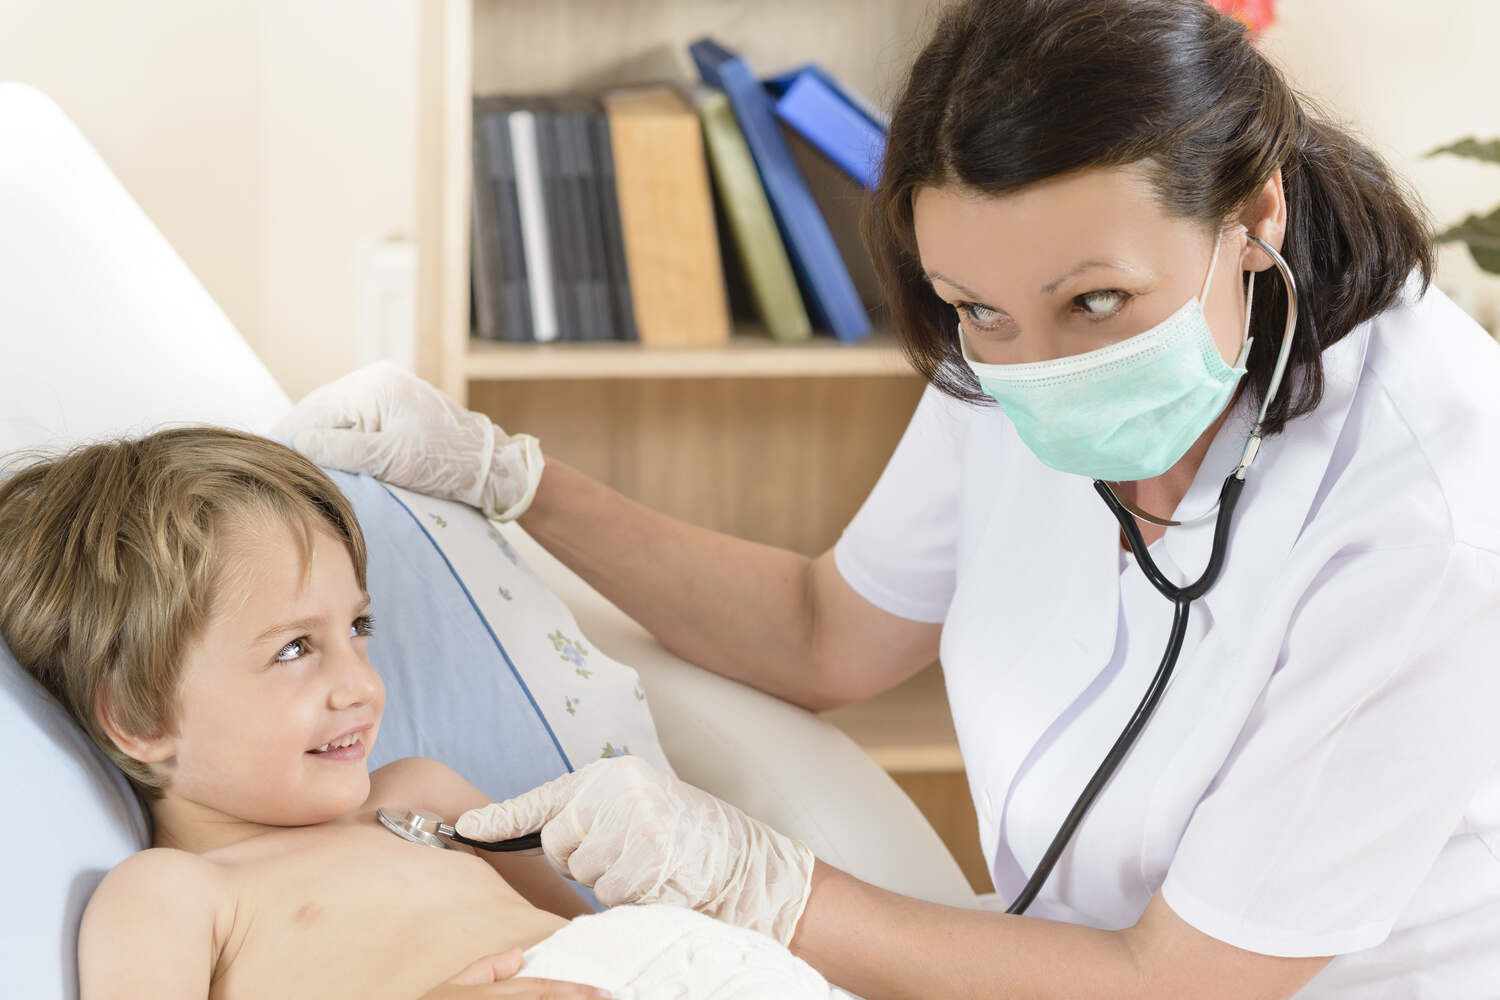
point(1181, 598)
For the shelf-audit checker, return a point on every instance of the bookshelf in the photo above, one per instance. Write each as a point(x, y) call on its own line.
point(521, 46)
point(747, 355)
point(775, 442)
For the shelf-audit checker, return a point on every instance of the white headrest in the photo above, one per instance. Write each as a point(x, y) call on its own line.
point(103, 329)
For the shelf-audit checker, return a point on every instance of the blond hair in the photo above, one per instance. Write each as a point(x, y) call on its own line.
point(111, 556)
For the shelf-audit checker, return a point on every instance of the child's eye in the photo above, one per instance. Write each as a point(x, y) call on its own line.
point(297, 648)
point(1103, 298)
point(363, 625)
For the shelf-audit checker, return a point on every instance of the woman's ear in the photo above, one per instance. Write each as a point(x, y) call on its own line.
point(146, 749)
point(1264, 216)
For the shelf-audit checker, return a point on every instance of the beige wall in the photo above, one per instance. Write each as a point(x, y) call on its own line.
point(269, 139)
point(1410, 76)
point(272, 139)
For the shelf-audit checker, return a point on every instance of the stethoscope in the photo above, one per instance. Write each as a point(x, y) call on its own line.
point(429, 830)
point(1181, 597)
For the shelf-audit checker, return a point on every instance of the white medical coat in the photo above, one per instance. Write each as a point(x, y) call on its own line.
point(1322, 776)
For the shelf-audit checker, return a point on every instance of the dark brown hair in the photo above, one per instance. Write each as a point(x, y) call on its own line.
point(1010, 92)
point(111, 554)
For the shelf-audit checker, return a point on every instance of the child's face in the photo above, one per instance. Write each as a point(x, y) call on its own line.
point(280, 671)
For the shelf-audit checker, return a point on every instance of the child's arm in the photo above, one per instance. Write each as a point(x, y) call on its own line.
point(444, 791)
point(148, 930)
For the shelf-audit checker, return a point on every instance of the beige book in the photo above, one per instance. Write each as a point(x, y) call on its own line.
point(667, 215)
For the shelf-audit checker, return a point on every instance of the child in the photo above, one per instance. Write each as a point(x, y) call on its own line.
point(196, 600)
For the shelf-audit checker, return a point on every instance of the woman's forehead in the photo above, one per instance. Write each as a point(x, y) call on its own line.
point(1030, 238)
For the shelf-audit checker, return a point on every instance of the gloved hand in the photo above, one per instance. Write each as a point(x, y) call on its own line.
point(384, 421)
point(640, 836)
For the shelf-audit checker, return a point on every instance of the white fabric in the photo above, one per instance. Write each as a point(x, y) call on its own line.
point(663, 952)
point(638, 835)
point(1323, 775)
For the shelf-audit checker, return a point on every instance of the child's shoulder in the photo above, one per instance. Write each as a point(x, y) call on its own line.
point(423, 783)
point(158, 906)
point(159, 877)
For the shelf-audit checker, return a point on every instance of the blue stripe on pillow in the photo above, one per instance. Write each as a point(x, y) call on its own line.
point(449, 697)
point(500, 646)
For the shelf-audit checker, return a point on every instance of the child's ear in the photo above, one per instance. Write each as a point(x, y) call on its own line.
point(146, 749)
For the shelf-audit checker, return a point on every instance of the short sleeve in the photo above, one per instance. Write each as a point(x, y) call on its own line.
point(900, 551)
point(1359, 760)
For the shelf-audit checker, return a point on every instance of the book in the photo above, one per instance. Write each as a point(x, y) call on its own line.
point(830, 293)
point(484, 241)
point(534, 235)
point(843, 126)
point(622, 309)
point(502, 304)
point(557, 199)
point(760, 252)
point(666, 218)
point(595, 313)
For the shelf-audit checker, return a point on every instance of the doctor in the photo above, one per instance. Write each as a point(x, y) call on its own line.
point(1064, 229)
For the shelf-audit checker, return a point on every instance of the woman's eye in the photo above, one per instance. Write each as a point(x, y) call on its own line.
point(363, 625)
point(294, 650)
point(1102, 304)
point(981, 317)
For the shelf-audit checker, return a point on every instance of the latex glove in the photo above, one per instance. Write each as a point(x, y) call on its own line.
point(384, 421)
point(638, 835)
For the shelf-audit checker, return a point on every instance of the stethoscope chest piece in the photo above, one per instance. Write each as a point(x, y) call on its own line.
point(429, 830)
point(416, 826)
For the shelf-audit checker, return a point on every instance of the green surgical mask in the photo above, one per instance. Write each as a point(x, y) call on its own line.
point(1128, 411)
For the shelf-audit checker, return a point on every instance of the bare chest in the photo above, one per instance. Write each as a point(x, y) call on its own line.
point(356, 912)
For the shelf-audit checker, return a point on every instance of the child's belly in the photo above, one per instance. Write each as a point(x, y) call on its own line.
point(367, 915)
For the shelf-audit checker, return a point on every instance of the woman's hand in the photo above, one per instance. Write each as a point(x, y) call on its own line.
point(491, 977)
point(384, 421)
point(640, 836)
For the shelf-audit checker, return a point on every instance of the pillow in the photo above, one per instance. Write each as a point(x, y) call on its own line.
point(74, 818)
point(484, 667)
point(484, 670)
point(594, 706)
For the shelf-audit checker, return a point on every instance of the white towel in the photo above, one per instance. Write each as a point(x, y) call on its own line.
point(660, 952)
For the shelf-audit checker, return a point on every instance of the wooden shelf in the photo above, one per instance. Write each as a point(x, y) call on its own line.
point(907, 730)
point(747, 355)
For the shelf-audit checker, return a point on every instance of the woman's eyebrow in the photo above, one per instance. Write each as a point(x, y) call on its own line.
point(935, 276)
point(1079, 268)
point(1048, 288)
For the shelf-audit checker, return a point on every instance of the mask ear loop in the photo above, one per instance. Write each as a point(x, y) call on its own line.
point(1245, 339)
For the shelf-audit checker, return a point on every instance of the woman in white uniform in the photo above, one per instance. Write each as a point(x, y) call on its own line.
point(1064, 225)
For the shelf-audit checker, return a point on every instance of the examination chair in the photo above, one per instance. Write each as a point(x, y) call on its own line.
point(105, 332)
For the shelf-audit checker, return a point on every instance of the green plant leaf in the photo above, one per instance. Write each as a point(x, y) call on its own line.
point(1488, 151)
point(1482, 234)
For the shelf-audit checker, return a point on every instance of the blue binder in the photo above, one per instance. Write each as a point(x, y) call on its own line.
point(840, 124)
point(815, 257)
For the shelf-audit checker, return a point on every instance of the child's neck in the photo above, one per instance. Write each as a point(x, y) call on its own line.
point(198, 829)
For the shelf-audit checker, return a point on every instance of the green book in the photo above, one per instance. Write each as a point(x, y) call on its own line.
point(768, 270)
